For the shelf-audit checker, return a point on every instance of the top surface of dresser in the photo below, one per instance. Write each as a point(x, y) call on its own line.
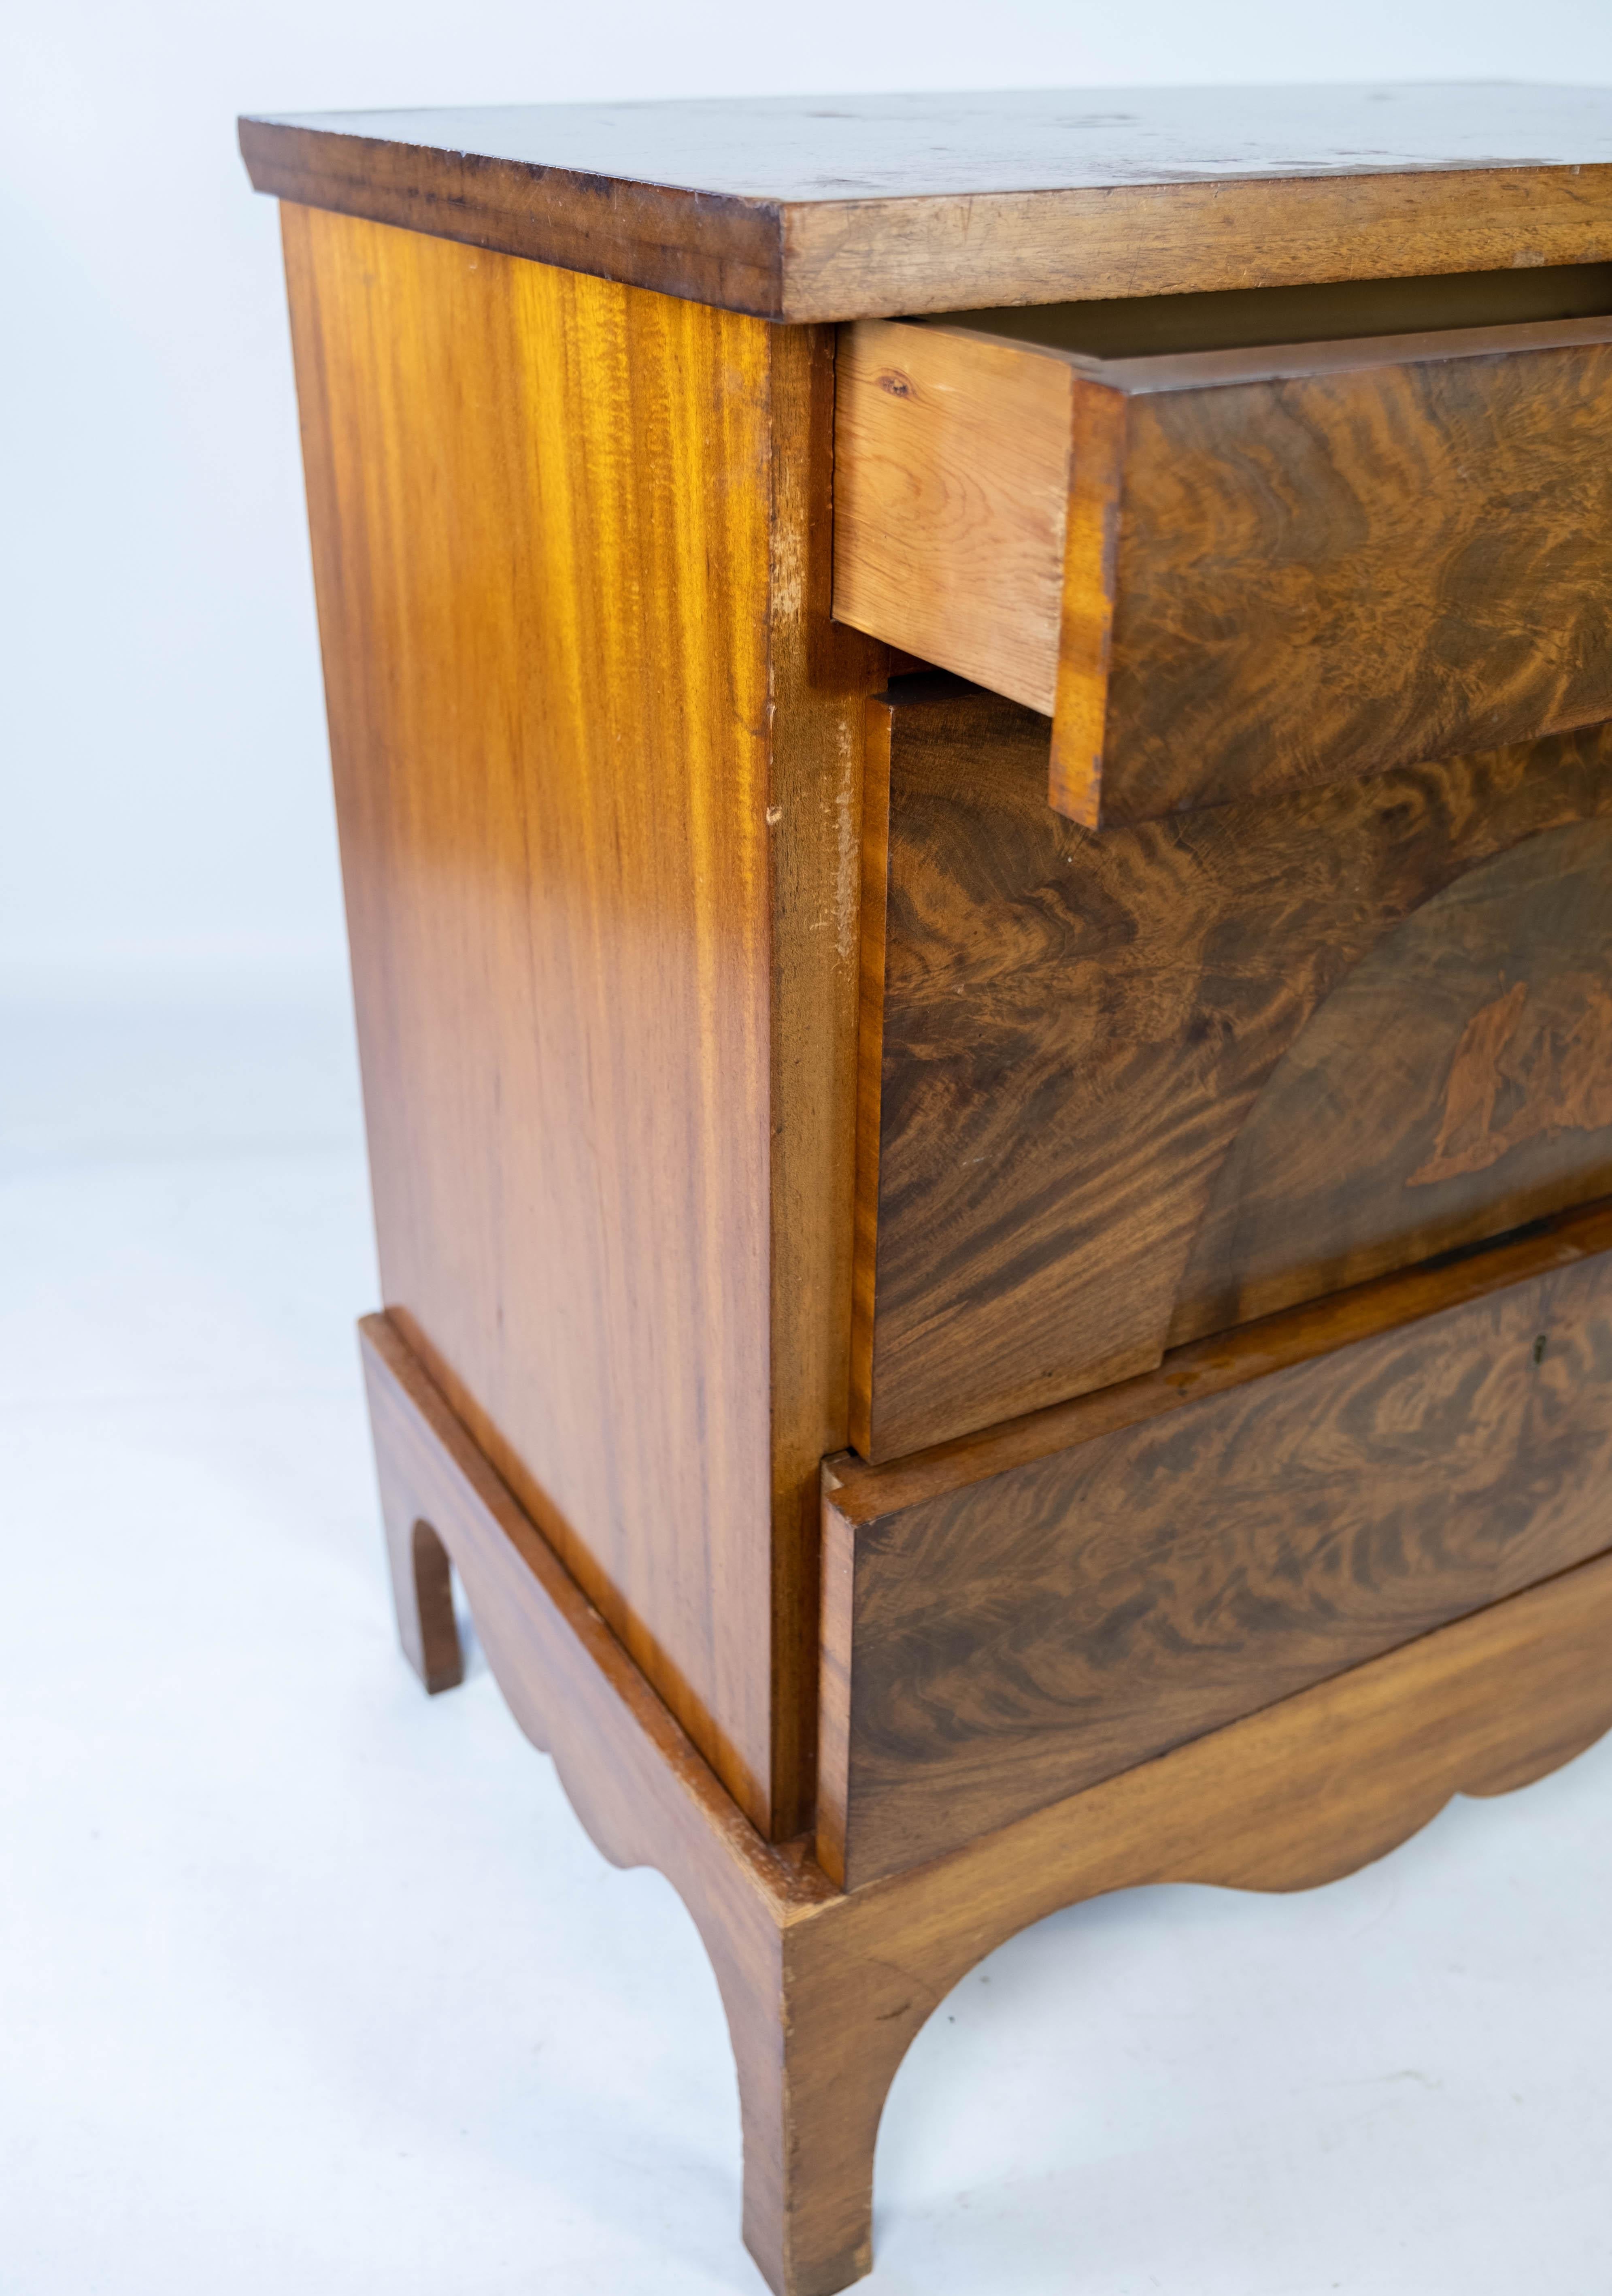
point(837, 207)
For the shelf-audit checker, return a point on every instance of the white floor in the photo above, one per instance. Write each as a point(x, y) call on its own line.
point(309, 1984)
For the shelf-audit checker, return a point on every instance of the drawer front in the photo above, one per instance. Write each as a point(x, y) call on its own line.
point(1010, 1620)
point(1230, 573)
point(1118, 1091)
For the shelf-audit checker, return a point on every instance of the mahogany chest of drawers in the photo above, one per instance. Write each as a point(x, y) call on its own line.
point(973, 742)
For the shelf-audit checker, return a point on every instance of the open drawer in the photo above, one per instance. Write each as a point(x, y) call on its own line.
point(1229, 571)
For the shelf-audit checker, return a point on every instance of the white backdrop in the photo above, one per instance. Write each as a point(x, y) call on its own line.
point(164, 805)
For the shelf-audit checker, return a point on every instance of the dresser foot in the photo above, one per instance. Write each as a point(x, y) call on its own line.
point(812, 2085)
point(423, 1584)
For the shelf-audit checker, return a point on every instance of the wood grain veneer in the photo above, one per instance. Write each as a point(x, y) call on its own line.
point(596, 751)
point(1458, 1082)
point(1065, 1035)
point(1264, 1511)
point(1232, 573)
point(833, 208)
point(824, 1992)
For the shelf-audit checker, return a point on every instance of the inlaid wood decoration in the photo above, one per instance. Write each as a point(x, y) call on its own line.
point(1064, 1034)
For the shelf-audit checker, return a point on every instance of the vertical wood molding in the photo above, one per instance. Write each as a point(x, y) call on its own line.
point(870, 1062)
point(818, 674)
point(1091, 577)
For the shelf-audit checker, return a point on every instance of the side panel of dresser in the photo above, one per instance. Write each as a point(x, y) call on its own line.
point(1122, 1089)
point(1010, 1619)
point(597, 769)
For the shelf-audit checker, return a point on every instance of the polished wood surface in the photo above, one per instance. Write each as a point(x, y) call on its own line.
point(831, 208)
point(1034, 1625)
point(825, 1992)
point(1405, 524)
point(819, 675)
point(596, 752)
point(1065, 1035)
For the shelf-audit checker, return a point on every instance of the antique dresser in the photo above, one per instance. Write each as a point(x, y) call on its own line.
point(973, 740)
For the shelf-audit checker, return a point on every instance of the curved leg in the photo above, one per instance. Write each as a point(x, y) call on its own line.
point(818, 2031)
point(422, 1594)
point(422, 1589)
point(808, 2160)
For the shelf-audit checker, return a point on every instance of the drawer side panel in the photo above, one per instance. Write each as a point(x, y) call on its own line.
point(951, 498)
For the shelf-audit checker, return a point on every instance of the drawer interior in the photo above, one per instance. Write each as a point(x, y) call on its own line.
point(1144, 326)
